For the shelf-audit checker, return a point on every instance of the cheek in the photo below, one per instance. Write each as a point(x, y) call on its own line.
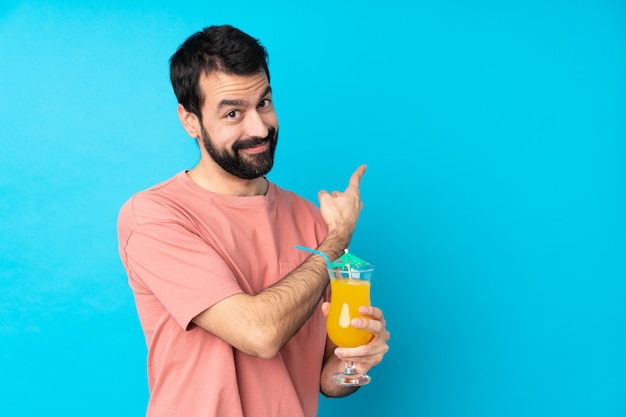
point(270, 119)
point(225, 136)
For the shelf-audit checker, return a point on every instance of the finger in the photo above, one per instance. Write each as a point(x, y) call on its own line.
point(373, 326)
point(323, 194)
point(372, 353)
point(355, 179)
point(325, 308)
point(373, 312)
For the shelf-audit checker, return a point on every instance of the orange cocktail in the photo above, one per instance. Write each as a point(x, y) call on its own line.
point(347, 295)
point(350, 279)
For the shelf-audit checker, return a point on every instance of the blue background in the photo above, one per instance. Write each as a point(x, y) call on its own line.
point(494, 202)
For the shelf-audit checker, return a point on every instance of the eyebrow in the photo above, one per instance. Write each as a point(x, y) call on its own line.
point(228, 102)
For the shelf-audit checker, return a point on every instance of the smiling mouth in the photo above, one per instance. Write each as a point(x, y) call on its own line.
point(262, 147)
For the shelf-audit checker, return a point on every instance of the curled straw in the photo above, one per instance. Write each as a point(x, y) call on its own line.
point(316, 252)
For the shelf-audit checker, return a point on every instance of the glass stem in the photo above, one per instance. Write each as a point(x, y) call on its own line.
point(349, 368)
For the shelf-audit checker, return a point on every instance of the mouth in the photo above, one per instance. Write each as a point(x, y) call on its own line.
point(257, 148)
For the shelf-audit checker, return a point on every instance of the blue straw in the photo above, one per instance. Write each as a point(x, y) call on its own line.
point(316, 252)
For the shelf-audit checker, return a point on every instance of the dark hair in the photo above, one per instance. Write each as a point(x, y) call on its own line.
point(216, 48)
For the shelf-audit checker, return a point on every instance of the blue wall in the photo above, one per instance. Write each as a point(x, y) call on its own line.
point(494, 200)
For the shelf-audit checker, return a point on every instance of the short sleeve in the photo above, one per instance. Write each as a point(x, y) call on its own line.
point(185, 274)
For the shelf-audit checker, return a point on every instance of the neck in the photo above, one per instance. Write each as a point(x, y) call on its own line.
point(227, 184)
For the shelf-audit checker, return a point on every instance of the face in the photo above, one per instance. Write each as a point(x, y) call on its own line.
point(239, 128)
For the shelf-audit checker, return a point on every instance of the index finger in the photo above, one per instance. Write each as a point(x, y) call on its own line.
point(355, 179)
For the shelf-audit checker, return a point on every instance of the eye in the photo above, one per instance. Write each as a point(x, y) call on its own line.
point(265, 103)
point(232, 114)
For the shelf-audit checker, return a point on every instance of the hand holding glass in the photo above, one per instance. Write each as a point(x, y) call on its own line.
point(350, 280)
point(350, 289)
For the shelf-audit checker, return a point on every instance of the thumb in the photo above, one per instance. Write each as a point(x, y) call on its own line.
point(325, 308)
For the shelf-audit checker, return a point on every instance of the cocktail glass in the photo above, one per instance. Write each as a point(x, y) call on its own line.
point(350, 280)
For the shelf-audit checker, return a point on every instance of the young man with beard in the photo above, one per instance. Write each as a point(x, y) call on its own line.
point(232, 313)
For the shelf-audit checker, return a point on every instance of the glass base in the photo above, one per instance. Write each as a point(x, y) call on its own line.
point(354, 379)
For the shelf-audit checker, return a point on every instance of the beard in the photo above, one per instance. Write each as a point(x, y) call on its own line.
point(243, 166)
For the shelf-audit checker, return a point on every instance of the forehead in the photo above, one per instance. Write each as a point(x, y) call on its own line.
point(218, 87)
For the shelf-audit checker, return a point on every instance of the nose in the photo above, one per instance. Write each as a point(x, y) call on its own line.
point(255, 125)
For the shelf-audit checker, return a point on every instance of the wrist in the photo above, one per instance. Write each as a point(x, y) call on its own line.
point(333, 246)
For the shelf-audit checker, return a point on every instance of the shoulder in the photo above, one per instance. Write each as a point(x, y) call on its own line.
point(155, 202)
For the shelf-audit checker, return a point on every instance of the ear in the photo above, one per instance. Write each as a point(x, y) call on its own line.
point(190, 122)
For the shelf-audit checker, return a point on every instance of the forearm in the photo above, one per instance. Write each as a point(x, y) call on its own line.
point(283, 308)
point(261, 324)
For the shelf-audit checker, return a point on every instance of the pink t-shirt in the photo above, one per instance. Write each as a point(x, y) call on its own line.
point(185, 249)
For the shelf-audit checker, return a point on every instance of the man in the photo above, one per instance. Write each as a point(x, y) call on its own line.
point(233, 315)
